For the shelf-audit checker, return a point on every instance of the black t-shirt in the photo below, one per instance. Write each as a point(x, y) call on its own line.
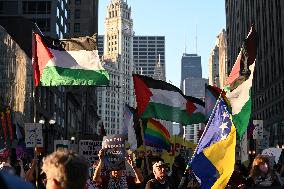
point(155, 184)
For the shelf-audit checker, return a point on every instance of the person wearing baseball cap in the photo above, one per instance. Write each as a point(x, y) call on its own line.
point(161, 180)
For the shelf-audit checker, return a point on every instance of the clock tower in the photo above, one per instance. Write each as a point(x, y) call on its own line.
point(118, 58)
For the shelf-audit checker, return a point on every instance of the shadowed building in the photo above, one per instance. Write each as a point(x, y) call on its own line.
point(268, 82)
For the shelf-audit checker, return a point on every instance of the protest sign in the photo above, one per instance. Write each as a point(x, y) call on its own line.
point(33, 135)
point(61, 144)
point(115, 152)
point(90, 150)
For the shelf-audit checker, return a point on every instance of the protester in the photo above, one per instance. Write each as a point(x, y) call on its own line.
point(65, 170)
point(116, 179)
point(10, 181)
point(31, 171)
point(178, 169)
point(19, 167)
point(6, 166)
point(237, 179)
point(261, 173)
point(161, 180)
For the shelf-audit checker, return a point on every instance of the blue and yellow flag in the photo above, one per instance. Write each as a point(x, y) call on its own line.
point(214, 161)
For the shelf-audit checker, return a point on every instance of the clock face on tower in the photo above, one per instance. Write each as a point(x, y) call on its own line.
point(126, 28)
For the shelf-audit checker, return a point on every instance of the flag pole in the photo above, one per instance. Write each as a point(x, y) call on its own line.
point(146, 157)
point(34, 103)
point(195, 150)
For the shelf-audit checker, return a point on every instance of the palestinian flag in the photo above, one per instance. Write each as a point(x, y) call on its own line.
point(67, 62)
point(161, 100)
point(239, 83)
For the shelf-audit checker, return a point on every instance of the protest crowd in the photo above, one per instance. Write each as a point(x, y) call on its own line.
point(144, 155)
point(64, 169)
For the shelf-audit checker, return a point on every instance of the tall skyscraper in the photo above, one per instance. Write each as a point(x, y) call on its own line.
point(82, 18)
point(194, 86)
point(218, 61)
point(223, 69)
point(190, 67)
point(213, 67)
point(118, 55)
point(149, 56)
point(268, 81)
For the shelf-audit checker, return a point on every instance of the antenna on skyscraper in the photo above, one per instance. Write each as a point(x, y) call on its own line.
point(185, 43)
point(196, 38)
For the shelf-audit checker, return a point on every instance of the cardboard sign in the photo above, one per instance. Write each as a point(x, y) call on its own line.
point(258, 130)
point(61, 144)
point(33, 135)
point(115, 152)
point(90, 149)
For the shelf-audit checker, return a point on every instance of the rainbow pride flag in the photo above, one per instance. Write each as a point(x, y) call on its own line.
point(156, 135)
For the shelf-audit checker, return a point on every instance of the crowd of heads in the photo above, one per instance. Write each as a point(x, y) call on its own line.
point(62, 169)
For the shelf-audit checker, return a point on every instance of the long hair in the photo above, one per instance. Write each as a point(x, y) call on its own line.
point(258, 160)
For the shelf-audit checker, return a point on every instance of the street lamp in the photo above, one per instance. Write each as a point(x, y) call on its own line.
point(50, 122)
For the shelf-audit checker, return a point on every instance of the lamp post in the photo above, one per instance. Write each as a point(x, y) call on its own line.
point(47, 125)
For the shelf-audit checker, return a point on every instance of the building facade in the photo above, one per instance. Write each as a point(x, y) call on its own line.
point(74, 110)
point(82, 19)
point(223, 69)
point(218, 61)
point(16, 80)
point(118, 58)
point(190, 67)
point(50, 16)
point(149, 56)
point(268, 83)
point(81, 101)
point(193, 86)
point(213, 67)
point(191, 132)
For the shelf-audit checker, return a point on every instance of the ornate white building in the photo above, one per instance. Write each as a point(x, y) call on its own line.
point(118, 57)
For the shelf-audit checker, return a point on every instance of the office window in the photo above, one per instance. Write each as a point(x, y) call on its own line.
point(8, 7)
point(76, 27)
point(77, 13)
point(77, 2)
point(36, 7)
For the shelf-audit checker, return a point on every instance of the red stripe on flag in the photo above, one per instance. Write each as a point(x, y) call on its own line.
point(41, 56)
point(144, 96)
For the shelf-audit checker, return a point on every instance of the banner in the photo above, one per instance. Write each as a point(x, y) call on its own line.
point(90, 150)
point(115, 152)
point(33, 135)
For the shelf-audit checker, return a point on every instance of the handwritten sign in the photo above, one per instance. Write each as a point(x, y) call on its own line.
point(90, 150)
point(115, 152)
point(258, 130)
point(33, 135)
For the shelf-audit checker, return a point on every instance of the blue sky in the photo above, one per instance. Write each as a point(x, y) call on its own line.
point(177, 21)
